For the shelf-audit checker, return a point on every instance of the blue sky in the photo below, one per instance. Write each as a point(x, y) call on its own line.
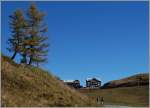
point(108, 40)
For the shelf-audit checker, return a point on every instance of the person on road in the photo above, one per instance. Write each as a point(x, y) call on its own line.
point(102, 100)
point(97, 99)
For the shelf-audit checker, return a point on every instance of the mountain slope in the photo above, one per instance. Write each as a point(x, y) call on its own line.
point(135, 96)
point(135, 80)
point(27, 86)
point(129, 91)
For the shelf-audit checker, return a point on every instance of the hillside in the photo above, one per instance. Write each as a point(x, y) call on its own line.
point(135, 80)
point(27, 86)
point(130, 91)
point(137, 96)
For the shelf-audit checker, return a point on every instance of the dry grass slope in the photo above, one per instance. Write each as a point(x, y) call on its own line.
point(137, 96)
point(135, 80)
point(26, 86)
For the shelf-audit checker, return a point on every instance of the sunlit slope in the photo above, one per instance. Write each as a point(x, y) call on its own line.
point(137, 96)
point(129, 91)
point(30, 86)
point(135, 80)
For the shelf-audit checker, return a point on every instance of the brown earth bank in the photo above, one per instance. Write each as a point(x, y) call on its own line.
point(28, 86)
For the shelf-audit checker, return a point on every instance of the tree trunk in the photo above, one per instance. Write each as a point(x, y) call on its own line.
point(37, 64)
point(30, 60)
point(24, 59)
point(14, 55)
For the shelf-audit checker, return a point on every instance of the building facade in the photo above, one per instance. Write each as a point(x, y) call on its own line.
point(73, 83)
point(93, 83)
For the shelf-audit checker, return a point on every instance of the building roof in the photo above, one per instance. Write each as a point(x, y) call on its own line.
point(68, 81)
point(88, 79)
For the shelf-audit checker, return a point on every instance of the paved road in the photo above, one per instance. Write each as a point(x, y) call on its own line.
point(115, 106)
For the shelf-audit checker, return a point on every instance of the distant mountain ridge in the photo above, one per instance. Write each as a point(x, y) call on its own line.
point(135, 80)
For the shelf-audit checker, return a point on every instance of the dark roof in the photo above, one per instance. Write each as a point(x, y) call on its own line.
point(93, 79)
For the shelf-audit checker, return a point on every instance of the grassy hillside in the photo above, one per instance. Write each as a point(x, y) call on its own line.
point(126, 96)
point(135, 80)
point(29, 86)
point(126, 92)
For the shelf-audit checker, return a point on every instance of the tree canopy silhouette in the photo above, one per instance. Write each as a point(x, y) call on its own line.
point(28, 36)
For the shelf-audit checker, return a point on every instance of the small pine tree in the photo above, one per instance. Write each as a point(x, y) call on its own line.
point(37, 50)
point(17, 24)
point(24, 46)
